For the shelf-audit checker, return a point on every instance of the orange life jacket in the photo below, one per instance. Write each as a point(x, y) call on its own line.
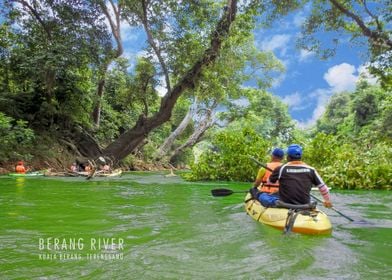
point(270, 187)
point(20, 169)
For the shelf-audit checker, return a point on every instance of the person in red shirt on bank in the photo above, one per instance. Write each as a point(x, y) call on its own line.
point(19, 168)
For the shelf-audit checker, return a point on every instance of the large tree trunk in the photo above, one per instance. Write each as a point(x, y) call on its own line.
point(168, 143)
point(196, 135)
point(128, 141)
point(97, 108)
point(85, 143)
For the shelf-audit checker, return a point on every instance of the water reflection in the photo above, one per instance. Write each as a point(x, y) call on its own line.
point(20, 182)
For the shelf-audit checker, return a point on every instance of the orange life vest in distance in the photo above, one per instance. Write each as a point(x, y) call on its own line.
point(270, 187)
point(20, 169)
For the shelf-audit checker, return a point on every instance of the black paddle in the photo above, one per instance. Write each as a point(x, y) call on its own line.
point(224, 192)
point(261, 164)
point(333, 208)
point(227, 192)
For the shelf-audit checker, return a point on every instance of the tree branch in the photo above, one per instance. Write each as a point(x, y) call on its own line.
point(37, 17)
point(157, 51)
point(167, 144)
point(197, 135)
point(114, 24)
point(379, 27)
point(375, 37)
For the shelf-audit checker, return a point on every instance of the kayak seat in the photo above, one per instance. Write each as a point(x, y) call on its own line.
point(281, 204)
point(254, 192)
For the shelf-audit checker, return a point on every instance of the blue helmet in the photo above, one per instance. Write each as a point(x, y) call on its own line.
point(294, 151)
point(277, 152)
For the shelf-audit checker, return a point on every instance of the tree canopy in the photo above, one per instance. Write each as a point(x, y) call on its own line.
point(66, 81)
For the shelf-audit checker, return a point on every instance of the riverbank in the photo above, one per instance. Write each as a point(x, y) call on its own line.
point(62, 165)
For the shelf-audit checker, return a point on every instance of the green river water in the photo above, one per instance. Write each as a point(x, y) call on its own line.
point(165, 228)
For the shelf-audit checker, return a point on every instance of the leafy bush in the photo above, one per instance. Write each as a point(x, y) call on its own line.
point(15, 138)
point(228, 156)
point(347, 164)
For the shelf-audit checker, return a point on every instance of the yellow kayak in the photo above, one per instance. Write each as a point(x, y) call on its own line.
point(301, 221)
point(116, 172)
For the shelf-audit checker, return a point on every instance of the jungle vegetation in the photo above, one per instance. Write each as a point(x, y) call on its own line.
point(68, 90)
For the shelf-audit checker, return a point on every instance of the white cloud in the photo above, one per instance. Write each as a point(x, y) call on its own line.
point(344, 77)
point(299, 19)
point(131, 34)
point(277, 81)
point(276, 42)
point(296, 102)
point(341, 77)
point(305, 55)
point(322, 98)
point(292, 100)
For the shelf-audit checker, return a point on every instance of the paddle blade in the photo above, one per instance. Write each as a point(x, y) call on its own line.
point(221, 192)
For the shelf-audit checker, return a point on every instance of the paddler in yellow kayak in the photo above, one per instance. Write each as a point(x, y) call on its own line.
point(296, 179)
point(265, 191)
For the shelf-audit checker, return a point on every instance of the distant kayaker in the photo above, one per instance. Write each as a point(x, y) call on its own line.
point(264, 191)
point(103, 165)
point(297, 178)
point(105, 168)
point(88, 168)
point(82, 164)
point(19, 168)
point(74, 167)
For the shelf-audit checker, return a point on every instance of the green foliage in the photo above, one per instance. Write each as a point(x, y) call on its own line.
point(127, 96)
point(265, 113)
point(255, 126)
point(350, 165)
point(365, 107)
point(15, 138)
point(48, 63)
point(352, 146)
point(386, 118)
point(228, 156)
point(337, 110)
point(364, 112)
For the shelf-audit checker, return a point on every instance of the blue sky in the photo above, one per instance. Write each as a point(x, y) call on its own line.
point(308, 82)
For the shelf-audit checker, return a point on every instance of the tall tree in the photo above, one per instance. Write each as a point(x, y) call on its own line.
point(126, 142)
point(237, 64)
point(62, 48)
point(114, 19)
point(208, 120)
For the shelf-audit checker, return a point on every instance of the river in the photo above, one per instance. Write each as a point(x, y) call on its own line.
point(148, 226)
